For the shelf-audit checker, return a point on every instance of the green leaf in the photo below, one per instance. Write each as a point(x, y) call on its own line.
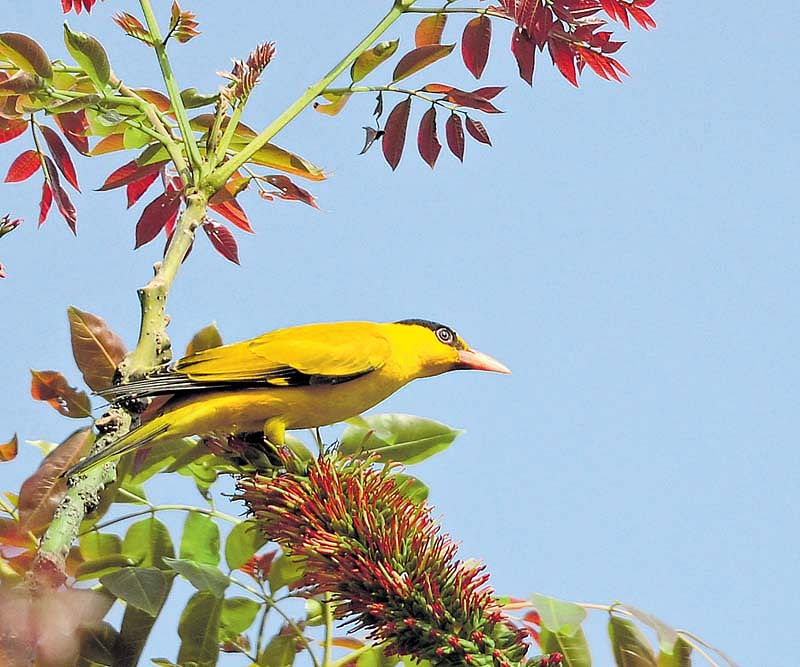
point(45, 446)
point(280, 652)
point(134, 631)
point(680, 655)
point(133, 137)
point(97, 643)
point(573, 647)
point(285, 571)
point(90, 56)
point(97, 545)
point(630, 646)
point(192, 98)
point(412, 488)
point(161, 455)
point(200, 539)
point(198, 629)
point(163, 662)
point(242, 543)
point(142, 587)
point(558, 615)
point(667, 635)
point(279, 158)
point(396, 437)
point(202, 577)
point(314, 612)
point(238, 614)
point(25, 53)
point(298, 448)
point(99, 567)
point(148, 542)
point(371, 58)
point(208, 337)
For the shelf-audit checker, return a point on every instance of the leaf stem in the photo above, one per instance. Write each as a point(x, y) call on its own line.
point(220, 176)
point(172, 87)
point(352, 656)
point(327, 615)
point(394, 89)
point(152, 509)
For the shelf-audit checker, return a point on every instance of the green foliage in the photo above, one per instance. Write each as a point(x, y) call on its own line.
point(396, 437)
point(242, 543)
point(198, 629)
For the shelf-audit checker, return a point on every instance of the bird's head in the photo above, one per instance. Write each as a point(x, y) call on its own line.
point(439, 349)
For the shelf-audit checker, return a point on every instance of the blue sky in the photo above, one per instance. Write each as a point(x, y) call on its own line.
point(630, 251)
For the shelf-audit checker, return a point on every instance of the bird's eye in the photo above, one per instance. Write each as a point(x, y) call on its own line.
point(445, 335)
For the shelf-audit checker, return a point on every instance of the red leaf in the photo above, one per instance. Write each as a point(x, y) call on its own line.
point(74, 124)
point(155, 216)
point(641, 17)
point(290, 190)
point(471, 100)
point(420, 58)
point(60, 156)
point(60, 196)
point(475, 43)
point(11, 128)
point(429, 31)
point(45, 202)
point(23, 167)
point(130, 172)
point(488, 92)
point(438, 88)
point(42, 492)
point(53, 388)
point(233, 212)
point(477, 131)
point(394, 134)
point(427, 141)
point(455, 136)
point(524, 50)
point(222, 239)
point(564, 58)
point(136, 189)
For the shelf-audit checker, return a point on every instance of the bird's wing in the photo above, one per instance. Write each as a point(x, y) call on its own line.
point(299, 356)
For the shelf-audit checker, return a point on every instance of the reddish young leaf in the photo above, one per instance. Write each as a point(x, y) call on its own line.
point(42, 492)
point(130, 172)
point(109, 144)
point(156, 216)
point(420, 58)
point(233, 212)
point(394, 134)
point(488, 92)
point(289, 190)
point(222, 239)
point(641, 16)
point(74, 125)
point(427, 141)
point(45, 202)
point(437, 88)
point(8, 450)
point(524, 50)
point(97, 350)
point(52, 387)
point(471, 100)
point(477, 131)
point(475, 43)
point(564, 58)
point(23, 167)
point(60, 156)
point(455, 136)
point(60, 196)
point(430, 29)
point(136, 189)
point(11, 128)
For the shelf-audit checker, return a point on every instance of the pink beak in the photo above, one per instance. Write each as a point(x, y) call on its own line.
point(478, 361)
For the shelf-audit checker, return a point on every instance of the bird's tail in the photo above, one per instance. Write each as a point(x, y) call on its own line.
point(138, 437)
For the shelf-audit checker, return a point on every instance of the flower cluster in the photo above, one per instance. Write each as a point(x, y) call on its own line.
point(390, 569)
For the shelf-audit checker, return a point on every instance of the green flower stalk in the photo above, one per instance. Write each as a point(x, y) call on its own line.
point(385, 562)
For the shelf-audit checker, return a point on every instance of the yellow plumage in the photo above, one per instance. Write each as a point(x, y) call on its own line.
point(300, 377)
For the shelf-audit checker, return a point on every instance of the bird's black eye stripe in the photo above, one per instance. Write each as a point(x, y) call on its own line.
point(444, 333)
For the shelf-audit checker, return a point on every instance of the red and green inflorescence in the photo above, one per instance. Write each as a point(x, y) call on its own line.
point(388, 566)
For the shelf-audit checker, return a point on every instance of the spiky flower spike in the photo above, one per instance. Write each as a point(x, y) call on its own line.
point(390, 569)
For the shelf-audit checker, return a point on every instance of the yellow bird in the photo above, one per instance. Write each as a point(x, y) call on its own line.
point(294, 378)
